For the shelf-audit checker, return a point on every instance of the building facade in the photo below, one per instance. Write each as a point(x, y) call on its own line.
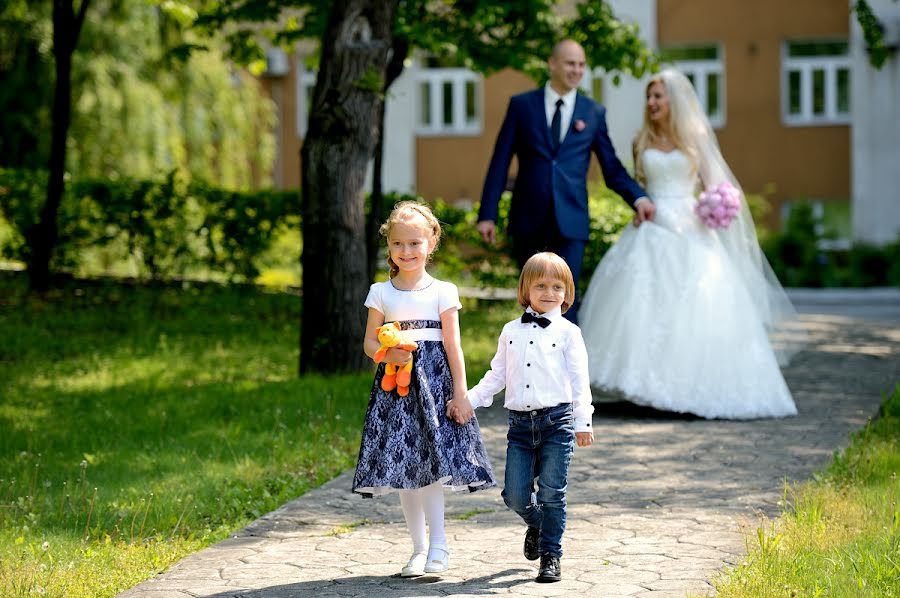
point(786, 86)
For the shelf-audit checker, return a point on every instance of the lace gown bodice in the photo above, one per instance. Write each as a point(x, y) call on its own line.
point(671, 184)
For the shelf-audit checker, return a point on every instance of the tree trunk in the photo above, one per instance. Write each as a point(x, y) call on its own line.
point(399, 52)
point(43, 235)
point(336, 151)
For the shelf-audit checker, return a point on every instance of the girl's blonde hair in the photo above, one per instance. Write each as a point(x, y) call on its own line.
point(682, 128)
point(552, 266)
point(412, 213)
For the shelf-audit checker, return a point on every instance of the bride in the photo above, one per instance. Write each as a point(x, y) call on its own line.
point(678, 316)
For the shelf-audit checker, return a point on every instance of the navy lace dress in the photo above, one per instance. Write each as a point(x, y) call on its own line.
point(409, 442)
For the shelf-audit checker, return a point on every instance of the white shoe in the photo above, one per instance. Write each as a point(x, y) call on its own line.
point(438, 559)
point(415, 567)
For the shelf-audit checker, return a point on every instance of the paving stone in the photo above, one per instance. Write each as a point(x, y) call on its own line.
point(657, 508)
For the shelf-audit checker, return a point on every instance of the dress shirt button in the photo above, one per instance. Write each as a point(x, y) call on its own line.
point(530, 342)
point(528, 386)
point(510, 342)
point(534, 325)
point(528, 364)
point(554, 344)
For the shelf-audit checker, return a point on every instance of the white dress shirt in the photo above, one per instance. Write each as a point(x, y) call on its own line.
point(539, 367)
point(565, 111)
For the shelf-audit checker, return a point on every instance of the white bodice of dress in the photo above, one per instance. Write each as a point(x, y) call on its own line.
point(668, 173)
point(671, 183)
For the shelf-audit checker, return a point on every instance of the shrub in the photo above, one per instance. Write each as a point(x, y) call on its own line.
point(165, 228)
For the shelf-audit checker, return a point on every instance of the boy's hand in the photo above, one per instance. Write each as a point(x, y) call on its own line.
point(584, 438)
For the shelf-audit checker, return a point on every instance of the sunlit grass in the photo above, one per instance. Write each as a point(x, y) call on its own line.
point(839, 535)
point(141, 423)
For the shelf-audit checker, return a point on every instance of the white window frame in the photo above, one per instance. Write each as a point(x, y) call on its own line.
point(435, 78)
point(700, 70)
point(306, 79)
point(805, 65)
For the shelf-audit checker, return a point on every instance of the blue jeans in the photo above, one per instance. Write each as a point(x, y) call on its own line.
point(539, 448)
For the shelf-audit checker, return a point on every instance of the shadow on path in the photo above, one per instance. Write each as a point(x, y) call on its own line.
point(391, 586)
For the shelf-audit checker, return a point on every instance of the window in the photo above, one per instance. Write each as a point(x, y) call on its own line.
point(449, 102)
point(815, 83)
point(306, 82)
point(703, 65)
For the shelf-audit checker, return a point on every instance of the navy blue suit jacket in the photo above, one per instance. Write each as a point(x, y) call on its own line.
point(545, 178)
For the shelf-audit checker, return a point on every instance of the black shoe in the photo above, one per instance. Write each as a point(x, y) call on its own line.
point(532, 537)
point(549, 571)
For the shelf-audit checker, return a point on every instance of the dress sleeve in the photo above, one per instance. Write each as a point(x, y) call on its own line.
point(374, 298)
point(448, 297)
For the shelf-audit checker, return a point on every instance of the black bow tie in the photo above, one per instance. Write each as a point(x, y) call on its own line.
point(539, 320)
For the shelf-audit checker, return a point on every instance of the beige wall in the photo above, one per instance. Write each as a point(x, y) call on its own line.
point(803, 162)
point(283, 91)
point(453, 168)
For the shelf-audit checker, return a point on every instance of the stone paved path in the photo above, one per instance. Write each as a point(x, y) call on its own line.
point(657, 505)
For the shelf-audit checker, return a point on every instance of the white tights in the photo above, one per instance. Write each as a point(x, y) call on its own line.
point(421, 505)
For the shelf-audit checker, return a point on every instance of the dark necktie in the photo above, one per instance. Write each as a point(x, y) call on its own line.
point(539, 320)
point(556, 125)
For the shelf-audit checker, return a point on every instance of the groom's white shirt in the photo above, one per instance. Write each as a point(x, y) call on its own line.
point(565, 111)
point(539, 367)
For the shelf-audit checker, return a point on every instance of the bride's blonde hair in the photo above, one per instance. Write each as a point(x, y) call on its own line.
point(685, 130)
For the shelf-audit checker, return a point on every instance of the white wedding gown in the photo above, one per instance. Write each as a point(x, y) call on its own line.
point(668, 322)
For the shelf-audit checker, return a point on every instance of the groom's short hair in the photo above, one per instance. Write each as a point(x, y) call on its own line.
point(551, 265)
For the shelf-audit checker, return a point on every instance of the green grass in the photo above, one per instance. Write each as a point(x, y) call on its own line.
point(141, 423)
point(839, 535)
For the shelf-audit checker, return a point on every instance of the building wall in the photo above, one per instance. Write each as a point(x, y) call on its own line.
point(283, 91)
point(803, 162)
point(876, 133)
point(453, 168)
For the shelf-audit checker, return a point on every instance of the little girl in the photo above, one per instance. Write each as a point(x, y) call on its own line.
point(409, 443)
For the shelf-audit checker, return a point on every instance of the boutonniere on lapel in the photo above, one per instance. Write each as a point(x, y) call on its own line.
point(579, 125)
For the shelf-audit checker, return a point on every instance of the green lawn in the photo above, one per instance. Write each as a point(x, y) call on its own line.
point(139, 424)
point(839, 535)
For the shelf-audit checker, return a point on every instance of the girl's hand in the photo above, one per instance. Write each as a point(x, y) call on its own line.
point(397, 356)
point(460, 410)
point(584, 438)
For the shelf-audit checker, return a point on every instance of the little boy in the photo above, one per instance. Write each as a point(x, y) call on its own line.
point(542, 362)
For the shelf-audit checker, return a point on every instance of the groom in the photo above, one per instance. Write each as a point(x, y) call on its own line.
point(552, 131)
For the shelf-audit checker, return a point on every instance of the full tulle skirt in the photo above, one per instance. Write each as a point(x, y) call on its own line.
point(668, 324)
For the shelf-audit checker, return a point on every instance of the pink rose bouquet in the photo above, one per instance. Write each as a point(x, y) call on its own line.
point(718, 206)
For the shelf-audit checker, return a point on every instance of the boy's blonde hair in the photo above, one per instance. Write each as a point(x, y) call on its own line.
point(546, 264)
point(413, 213)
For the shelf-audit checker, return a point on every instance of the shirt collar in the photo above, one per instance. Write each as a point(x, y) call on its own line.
point(551, 96)
point(551, 315)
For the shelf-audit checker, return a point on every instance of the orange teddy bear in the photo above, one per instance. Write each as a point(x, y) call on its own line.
point(395, 376)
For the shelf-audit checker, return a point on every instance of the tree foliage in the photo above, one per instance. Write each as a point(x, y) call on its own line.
point(138, 110)
point(873, 33)
point(483, 35)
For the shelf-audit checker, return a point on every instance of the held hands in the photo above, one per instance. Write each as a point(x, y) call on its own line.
point(584, 438)
point(459, 409)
